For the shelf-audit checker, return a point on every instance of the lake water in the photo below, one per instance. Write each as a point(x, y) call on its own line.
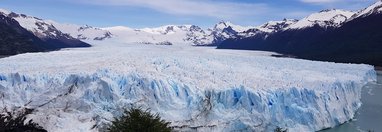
point(369, 116)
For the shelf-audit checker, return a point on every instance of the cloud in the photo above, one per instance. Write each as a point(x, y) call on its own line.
point(191, 7)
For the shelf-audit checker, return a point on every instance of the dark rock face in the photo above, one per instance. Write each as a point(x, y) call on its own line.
point(14, 39)
point(106, 36)
point(356, 41)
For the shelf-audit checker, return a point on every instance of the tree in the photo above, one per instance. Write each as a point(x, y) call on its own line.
point(138, 120)
point(279, 129)
point(11, 122)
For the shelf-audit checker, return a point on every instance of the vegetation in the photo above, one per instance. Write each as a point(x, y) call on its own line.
point(138, 120)
point(279, 129)
point(11, 122)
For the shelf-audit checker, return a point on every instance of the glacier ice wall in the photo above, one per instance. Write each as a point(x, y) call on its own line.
point(85, 102)
point(197, 89)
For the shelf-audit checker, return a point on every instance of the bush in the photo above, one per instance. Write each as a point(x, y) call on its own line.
point(138, 120)
point(279, 129)
point(11, 122)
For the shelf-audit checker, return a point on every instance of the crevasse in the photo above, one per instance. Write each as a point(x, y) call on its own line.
point(86, 102)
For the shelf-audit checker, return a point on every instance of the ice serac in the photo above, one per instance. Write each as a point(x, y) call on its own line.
point(213, 90)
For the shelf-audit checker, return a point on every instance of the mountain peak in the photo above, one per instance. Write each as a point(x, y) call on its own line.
point(275, 26)
point(3, 11)
point(327, 10)
point(167, 29)
point(223, 24)
point(227, 24)
point(373, 9)
point(324, 18)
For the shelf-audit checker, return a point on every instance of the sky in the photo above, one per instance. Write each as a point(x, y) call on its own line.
point(154, 13)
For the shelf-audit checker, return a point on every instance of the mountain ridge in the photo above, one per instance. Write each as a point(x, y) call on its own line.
point(223, 34)
point(355, 40)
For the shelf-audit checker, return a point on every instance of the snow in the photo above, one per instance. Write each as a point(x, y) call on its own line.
point(196, 88)
point(30, 23)
point(225, 24)
point(168, 29)
point(375, 8)
point(3, 11)
point(49, 28)
point(85, 33)
point(274, 26)
point(325, 18)
point(177, 35)
point(174, 34)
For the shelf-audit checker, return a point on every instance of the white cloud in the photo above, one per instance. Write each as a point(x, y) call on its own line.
point(209, 8)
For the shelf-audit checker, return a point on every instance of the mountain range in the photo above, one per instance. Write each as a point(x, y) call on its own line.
point(19, 36)
point(328, 35)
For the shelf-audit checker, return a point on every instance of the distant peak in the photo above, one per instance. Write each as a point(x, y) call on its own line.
point(225, 23)
point(372, 9)
point(334, 10)
point(119, 28)
point(3, 11)
point(324, 18)
point(328, 10)
point(289, 20)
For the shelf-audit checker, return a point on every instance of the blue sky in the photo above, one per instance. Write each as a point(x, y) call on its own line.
point(153, 13)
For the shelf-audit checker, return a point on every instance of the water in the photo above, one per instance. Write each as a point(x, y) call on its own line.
point(369, 116)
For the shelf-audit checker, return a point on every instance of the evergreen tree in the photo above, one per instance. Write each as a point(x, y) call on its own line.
point(138, 120)
point(10, 122)
point(279, 129)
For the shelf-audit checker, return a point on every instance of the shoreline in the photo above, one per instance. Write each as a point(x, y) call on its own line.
point(4, 56)
point(378, 68)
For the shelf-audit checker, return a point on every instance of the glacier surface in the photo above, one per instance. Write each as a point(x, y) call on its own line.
point(195, 88)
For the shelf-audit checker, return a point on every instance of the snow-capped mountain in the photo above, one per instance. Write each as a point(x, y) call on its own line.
point(14, 39)
point(223, 25)
point(376, 8)
point(275, 26)
point(85, 32)
point(267, 28)
point(38, 26)
point(329, 35)
point(226, 30)
point(324, 18)
point(33, 35)
point(185, 34)
point(50, 29)
point(169, 34)
point(178, 34)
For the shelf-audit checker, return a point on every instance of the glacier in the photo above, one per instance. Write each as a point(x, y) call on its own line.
point(195, 88)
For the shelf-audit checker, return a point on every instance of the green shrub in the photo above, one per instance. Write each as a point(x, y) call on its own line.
point(138, 120)
point(279, 129)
